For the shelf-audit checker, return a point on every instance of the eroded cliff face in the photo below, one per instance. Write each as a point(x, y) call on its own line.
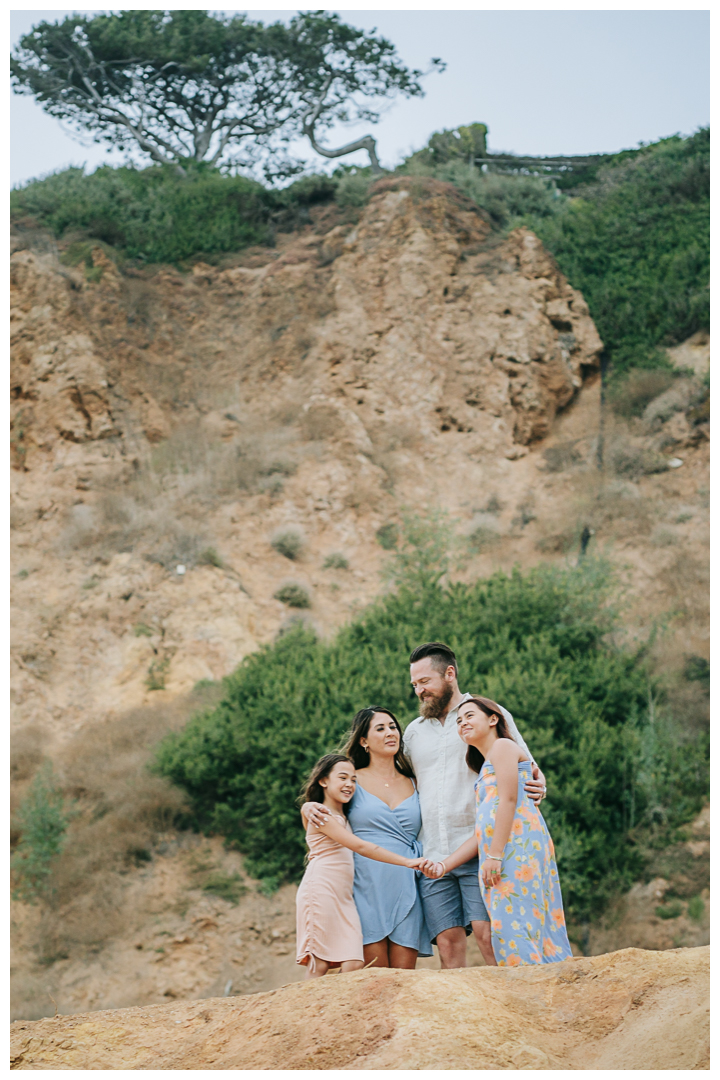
point(410, 359)
point(624, 1010)
point(406, 360)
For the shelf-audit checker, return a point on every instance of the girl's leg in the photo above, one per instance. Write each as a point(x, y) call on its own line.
point(377, 951)
point(351, 965)
point(316, 969)
point(402, 957)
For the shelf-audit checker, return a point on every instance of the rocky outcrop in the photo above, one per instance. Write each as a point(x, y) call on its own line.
point(420, 309)
point(624, 1010)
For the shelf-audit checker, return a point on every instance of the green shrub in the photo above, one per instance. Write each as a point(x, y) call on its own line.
point(151, 214)
point(335, 561)
point(697, 669)
point(536, 641)
point(288, 543)
point(669, 911)
point(293, 595)
point(636, 242)
point(228, 887)
point(696, 908)
point(157, 672)
point(210, 557)
point(387, 536)
point(507, 199)
point(353, 188)
point(42, 822)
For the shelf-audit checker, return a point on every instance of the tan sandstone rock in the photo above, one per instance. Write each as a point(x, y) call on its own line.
point(624, 1010)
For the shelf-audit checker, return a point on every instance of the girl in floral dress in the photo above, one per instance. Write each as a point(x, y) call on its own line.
point(518, 870)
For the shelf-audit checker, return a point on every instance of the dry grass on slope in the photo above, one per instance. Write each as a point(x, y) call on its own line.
point(118, 813)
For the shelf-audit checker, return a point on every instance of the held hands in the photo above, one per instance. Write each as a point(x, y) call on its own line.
point(419, 864)
point(536, 788)
point(434, 870)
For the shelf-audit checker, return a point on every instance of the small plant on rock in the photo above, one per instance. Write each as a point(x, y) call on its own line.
point(157, 671)
point(293, 595)
point(228, 887)
point(210, 557)
point(335, 561)
point(387, 536)
point(288, 543)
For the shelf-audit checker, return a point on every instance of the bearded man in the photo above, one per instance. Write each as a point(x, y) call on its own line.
point(453, 904)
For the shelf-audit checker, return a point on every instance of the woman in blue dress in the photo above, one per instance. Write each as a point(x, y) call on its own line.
point(385, 810)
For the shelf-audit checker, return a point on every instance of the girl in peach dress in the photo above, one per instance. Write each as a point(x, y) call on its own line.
point(328, 926)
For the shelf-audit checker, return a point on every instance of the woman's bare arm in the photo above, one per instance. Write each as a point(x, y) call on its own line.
point(342, 835)
point(466, 851)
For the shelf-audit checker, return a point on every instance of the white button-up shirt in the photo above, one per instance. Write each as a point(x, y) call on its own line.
point(446, 785)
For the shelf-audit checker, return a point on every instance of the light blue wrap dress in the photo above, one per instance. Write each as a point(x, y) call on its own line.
point(386, 896)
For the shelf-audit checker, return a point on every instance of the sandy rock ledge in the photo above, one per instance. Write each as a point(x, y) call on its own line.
point(625, 1010)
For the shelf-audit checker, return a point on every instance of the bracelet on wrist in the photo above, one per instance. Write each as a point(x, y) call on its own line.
point(497, 858)
point(441, 863)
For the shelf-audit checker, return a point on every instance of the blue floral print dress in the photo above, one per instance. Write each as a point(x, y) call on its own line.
point(526, 911)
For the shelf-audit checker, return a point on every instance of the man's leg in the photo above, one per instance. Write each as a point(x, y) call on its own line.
point(451, 945)
point(481, 930)
point(443, 907)
point(475, 913)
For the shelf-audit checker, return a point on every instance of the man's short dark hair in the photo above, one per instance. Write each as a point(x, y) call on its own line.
point(441, 655)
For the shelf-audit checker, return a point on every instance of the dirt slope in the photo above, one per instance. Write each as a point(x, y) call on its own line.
point(623, 1010)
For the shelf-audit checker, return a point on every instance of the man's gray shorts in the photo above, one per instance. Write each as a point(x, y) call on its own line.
point(453, 900)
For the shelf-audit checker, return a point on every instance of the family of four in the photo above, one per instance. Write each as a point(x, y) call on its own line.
point(426, 839)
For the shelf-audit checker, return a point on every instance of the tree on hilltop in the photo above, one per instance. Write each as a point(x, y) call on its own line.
point(186, 86)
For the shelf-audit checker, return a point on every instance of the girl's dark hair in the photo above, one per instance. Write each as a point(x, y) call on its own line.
point(360, 727)
point(313, 790)
point(474, 759)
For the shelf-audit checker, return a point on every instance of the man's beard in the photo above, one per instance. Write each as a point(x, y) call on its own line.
point(436, 706)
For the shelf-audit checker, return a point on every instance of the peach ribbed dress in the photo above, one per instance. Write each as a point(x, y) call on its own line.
point(328, 925)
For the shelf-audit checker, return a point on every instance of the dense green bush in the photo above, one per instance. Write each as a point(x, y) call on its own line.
point(150, 214)
point(536, 641)
point(637, 243)
point(154, 215)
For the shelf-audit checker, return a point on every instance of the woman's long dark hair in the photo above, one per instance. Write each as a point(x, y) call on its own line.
point(360, 727)
point(475, 760)
point(313, 790)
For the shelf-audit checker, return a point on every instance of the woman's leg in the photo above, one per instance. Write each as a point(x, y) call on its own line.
point(316, 968)
point(402, 957)
point(377, 951)
point(351, 965)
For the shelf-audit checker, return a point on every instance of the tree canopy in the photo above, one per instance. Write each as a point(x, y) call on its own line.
point(189, 86)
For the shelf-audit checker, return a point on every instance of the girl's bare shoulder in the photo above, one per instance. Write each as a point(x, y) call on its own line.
point(506, 750)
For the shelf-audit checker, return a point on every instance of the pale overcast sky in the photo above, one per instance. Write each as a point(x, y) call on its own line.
point(545, 82)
